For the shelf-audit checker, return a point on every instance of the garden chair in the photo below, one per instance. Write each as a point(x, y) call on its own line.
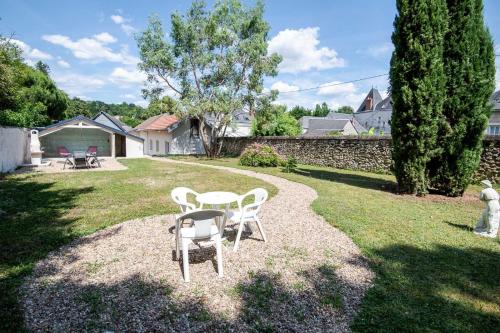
point(64, 153)
point(248, 213)
point(204, 229)
point(92, 156)
point(180, 197)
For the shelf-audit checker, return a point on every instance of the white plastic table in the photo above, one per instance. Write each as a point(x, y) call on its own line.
point(215, 199)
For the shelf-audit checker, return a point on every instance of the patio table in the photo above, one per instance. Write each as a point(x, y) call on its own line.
point(80, 159)
point(217, 198)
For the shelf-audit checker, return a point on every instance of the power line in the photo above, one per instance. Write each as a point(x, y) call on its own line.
point(332, 84)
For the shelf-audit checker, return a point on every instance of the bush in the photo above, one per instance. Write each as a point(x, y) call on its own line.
point(290, 164)
point(259, 155)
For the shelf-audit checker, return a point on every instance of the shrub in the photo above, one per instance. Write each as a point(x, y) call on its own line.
point(290, 164)
point(259, 155)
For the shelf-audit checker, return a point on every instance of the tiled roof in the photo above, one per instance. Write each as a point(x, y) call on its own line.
point(157, 123)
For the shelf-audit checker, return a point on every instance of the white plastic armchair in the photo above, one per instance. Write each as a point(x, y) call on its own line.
point(180, 196)
point(203, 229)
point(248, 213)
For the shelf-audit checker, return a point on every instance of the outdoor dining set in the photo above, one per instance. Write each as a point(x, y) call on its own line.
point(79, 159)
point(195, 224)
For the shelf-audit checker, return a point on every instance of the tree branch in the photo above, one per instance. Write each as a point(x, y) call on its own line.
point(164, 78)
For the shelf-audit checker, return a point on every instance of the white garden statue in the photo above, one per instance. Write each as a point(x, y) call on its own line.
point(487, 225)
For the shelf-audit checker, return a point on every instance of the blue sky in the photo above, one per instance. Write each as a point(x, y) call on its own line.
point(92, 53)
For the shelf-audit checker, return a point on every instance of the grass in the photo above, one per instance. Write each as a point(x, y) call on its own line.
point(41, 212)
point(432, 273)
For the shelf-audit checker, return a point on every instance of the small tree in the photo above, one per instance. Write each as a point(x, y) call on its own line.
point(273, 120)
point(321, 110)
point(299, 111)
point(418, 84)
point(469, 64)
point(215, 61)
point(345, 109)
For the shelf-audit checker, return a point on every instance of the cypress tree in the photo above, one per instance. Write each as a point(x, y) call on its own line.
point(469, 66)
point(417, 85)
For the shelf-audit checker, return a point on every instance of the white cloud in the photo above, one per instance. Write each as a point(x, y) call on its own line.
point(351, 99)
point(105, 38)
point(128, 96)
point(63, 64)
point(123, 76)
point(142, 103)
point(31, 53)
point(334, 88)
point(122, 22)
point(283, 87)
point(117, 19)
point(300, 51)
point(94, 49)
point(77, 84)
point(378, 51)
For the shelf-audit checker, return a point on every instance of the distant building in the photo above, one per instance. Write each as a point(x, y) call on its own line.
point(494, 124)
point(333, 124)
point(375, 112)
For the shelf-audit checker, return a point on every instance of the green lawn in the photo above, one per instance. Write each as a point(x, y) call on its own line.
point(41, 212)
point(433, 274)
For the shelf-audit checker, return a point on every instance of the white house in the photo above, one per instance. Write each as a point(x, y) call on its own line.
point(375, 112)
point(166, 134)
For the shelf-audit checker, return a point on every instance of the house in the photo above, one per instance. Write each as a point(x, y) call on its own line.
point(166, 134)
point(78, 133)
point(494, 123)
point(375, 112)
point(333, 124)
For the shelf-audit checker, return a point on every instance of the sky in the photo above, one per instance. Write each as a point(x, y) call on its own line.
point(90, 46)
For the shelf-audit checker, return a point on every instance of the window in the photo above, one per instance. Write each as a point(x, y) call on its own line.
point(150, 144)
point(157, 145)
point(494, 130)
point(167, 148)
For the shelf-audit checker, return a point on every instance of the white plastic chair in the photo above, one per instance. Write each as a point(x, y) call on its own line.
point(203, 229)
point(249, 213)
point(179, 195)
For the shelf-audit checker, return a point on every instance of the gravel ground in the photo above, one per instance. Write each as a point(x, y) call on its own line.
point(308, 277)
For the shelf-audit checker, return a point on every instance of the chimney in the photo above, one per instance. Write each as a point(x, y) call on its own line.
point(369, 103)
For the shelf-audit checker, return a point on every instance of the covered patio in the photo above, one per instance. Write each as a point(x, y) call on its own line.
point(79, 133)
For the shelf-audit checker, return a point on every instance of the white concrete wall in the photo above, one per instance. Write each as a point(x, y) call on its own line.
point(183, 143)
point(349, 129)
point(14, 148)
point(150, 139)
point(134, 147)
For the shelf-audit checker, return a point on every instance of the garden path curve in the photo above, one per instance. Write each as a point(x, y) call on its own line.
point(308, 277)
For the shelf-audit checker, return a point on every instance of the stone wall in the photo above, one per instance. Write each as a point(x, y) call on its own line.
point(14, 148)
point(355, 153)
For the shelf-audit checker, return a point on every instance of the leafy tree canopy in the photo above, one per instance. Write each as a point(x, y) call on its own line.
point(299, 111)
point(321, 110)
point(28, 96)
point(345, 109)
point(215, 61)
point(273, 120)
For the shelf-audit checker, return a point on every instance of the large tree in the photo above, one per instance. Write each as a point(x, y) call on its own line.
point(28, 96)
point(215, 61)
point(469, 65)
point(418, 89)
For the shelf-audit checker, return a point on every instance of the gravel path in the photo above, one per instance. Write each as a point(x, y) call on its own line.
point(308, 277)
